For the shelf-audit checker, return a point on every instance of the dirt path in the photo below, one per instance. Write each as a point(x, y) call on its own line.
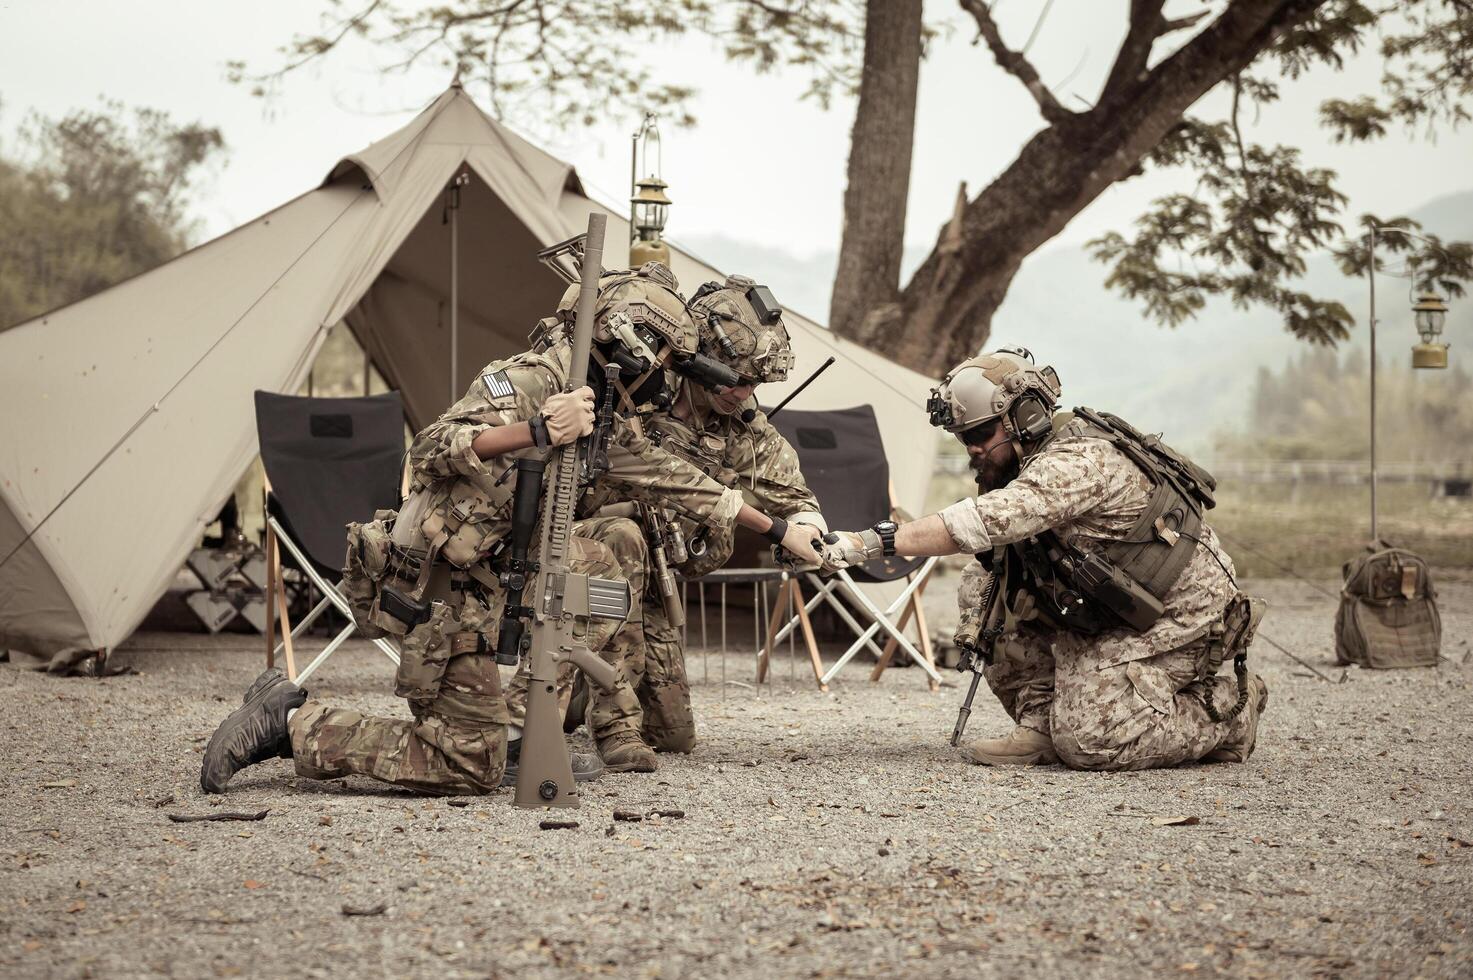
point(822, 835)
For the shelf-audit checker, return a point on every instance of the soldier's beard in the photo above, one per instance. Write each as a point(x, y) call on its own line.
point(995, 470)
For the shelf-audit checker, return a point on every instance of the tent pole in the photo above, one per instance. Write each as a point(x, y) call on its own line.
point(454, 208)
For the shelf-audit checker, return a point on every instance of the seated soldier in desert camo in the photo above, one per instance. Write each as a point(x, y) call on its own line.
point(441, 548)
point(1062, 493)
point(724, 433)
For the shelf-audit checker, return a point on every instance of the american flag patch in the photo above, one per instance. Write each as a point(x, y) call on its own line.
point(498, 384)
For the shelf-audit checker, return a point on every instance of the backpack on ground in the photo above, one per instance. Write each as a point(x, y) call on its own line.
point(1388, 611)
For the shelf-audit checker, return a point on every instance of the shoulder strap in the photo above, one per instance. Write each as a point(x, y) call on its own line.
point(1159, 460)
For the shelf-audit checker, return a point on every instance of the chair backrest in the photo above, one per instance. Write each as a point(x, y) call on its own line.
point(843, 460)
point(330, 461)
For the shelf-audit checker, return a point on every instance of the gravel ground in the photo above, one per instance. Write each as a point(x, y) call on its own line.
point(823, 834)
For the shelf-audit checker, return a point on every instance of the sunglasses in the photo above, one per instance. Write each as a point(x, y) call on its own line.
point(979, 434)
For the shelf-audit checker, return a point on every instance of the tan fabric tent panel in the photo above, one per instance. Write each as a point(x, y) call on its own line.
point(403, 320)
point(127, 418)
point(151, 382)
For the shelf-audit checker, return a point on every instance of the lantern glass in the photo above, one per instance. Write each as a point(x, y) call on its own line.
point(1431, 313)
point(651, 208)
point(1429, 324)
point(649, 218)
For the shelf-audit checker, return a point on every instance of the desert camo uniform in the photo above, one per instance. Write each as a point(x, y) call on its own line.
point(755, 459)
point(1119, 699)
point(456, 741)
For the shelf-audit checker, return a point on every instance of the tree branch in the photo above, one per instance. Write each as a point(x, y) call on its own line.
point(1014, 63)
point(1146, 24)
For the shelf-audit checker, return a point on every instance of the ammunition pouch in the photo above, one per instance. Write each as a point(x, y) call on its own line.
point(1103, 583)
point(364, 566)
point(1235, 632)
point(471, 518)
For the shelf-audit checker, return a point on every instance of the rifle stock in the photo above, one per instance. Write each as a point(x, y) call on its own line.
point(564, 602)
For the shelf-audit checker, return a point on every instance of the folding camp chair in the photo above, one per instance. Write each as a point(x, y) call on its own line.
point(327, 461)
point(843, 460)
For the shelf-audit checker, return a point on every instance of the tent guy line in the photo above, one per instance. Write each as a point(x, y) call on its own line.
point(154, 407)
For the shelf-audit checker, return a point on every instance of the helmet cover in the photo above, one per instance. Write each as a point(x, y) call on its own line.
point(645, 299)
point(987, 386)
point(733, 330)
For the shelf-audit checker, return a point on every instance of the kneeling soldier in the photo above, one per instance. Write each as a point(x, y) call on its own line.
point(1108, 601)
point(721, 431)
point(430, 572)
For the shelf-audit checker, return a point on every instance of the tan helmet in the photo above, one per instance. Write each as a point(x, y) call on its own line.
point(741, 326)
point(1004, 384)
point(639, 308)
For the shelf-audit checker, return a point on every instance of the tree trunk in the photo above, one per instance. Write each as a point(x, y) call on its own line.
point(868, 276)
point(945, 311)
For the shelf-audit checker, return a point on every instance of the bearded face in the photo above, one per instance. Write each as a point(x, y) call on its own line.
point(993, 460)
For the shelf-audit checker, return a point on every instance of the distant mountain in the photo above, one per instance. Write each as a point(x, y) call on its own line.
point(1190, 382)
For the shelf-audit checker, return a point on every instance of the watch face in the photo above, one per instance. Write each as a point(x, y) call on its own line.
point(885, 527)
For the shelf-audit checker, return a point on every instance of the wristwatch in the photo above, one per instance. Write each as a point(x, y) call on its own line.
point(777, 532)
point(886, 530)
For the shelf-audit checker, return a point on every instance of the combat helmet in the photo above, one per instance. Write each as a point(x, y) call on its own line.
point(638, 311)
point(741, 325)
point(1005, 385)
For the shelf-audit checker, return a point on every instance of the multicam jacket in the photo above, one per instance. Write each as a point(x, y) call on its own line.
point(751, 457)
point(467, 500)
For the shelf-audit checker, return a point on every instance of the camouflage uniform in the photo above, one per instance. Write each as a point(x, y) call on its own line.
point(750, 456)
point(457, 740)
point(1119, 699)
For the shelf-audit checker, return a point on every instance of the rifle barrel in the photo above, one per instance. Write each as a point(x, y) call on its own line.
point(593, 257)
point(799, 390)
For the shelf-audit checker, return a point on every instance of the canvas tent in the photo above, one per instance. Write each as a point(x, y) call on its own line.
point(127, 416)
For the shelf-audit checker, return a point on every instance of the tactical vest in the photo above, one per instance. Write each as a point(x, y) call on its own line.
point(1127, 581)
point(705, 450)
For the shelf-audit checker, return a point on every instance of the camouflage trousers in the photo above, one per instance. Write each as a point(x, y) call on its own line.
point(652, 654)
point(622, 555)
point(1108, 701)
point(455, 742)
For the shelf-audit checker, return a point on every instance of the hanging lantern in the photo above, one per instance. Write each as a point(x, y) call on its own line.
point(649, 207)
point(1431, 313)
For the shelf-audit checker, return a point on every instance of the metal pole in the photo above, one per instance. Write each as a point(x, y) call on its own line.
point(1371, 277)
point(633, 176)
point(454, 286)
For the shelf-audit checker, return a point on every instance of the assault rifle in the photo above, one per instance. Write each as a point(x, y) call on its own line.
point(977, 654)
point(664, 578)
point(564, 602)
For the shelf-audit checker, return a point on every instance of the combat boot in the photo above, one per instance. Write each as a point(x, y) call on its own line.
point(1240, 748)
point(586, 768)
point(1019, 747)
point(626, 752)
point(254, 732)
point(268, 676)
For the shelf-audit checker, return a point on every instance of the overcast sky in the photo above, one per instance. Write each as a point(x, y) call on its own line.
point(782, 186)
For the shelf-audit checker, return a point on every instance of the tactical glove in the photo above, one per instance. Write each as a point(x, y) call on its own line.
point(569, 415)
point(843, 549)
point(801, 541)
